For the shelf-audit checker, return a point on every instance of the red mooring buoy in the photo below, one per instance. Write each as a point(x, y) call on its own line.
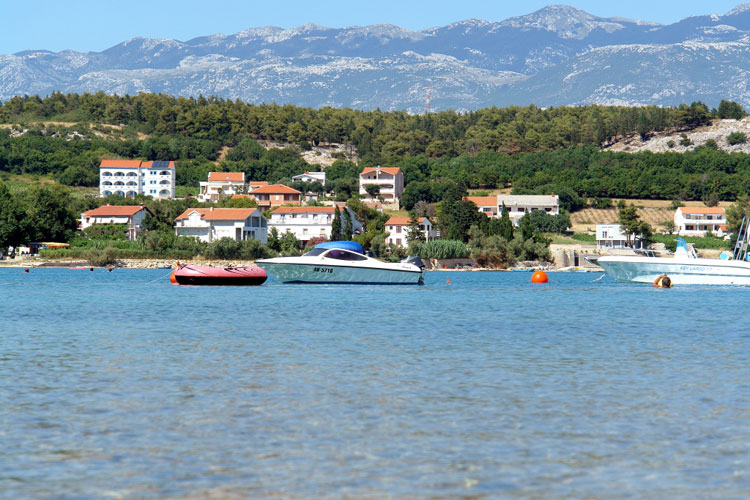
point(539, 277)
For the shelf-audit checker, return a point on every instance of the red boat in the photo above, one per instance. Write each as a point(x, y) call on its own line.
point(188, 274)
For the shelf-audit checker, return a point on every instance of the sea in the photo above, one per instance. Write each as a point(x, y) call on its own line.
point(474, 385)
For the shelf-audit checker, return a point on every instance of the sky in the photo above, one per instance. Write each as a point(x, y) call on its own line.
point(88, 25)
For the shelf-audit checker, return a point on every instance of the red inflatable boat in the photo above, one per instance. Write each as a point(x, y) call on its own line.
point(205, 275)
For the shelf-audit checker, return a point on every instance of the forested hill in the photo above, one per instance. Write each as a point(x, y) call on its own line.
point(530, 148)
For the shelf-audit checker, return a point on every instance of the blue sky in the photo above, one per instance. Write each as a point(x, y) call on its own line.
point(85, 25)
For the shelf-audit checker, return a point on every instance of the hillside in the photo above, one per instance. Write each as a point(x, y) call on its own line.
point(662, 142)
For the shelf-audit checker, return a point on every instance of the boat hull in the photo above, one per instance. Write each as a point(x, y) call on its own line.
point(218, 276)
point(336, 274)
point(682, 271)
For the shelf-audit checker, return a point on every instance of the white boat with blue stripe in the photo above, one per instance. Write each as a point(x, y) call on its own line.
point(342, 262)
point(684, 268)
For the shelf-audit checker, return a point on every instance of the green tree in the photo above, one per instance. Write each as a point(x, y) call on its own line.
point(633, 226)
point(49, 217)
point(373, 190)
point(346, 234)
point(12, 220)
point(414, 231)
point(336, 227)
point(506, 225)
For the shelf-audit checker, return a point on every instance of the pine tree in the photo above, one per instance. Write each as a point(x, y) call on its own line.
point(414, 232)
point(336, 226)
point(348, 226)
point(506, 227)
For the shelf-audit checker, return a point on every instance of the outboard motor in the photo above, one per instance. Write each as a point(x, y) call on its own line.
point(413, 259)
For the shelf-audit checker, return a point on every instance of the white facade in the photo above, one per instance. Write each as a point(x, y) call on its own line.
point(309, 222)
point(697, 221)
point(311, 177)
point(518, 205)
point(210, 224)
point(129, 215)
point(222, 184)
point(610, 236)
point(398, 228)
point(129, 178)
point(390, 180)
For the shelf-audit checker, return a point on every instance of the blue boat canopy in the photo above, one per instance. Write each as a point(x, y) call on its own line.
point(352, 246)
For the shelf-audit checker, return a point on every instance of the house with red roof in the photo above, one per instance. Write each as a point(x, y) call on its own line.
point(697, 221)
point(398, 228)
point(487, 204)
point(390, 181)
point(128, 178)
point(211, 224)
point(221, 184)
point(275, 195)
point(129, 215)
point(309, 222)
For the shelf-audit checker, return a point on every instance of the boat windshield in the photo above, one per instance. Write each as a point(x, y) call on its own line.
point(344, 255)
point(314, 252)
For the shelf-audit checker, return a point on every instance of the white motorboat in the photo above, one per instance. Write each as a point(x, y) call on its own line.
point(684, 268)
point(336, 262)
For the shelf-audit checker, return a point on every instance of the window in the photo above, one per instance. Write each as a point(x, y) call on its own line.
point(398, 229)
point(398, 241)
point(344, 255)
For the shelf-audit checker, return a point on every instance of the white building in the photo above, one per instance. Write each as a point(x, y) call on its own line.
point(390, 180)
point(311, 177)
point(696, 221)
point(222, 184)
point(129, 215)
point(210, 224)
point(398, 227)
point(487, 204)
point(129, 178)
point(309, 222)
point(518, 205)
point(611, 236)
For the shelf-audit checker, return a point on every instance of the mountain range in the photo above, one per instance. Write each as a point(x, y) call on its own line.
point(556, 56)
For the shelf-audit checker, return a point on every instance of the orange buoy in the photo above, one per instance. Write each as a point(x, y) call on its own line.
point(539, 277)
point(447, 281)
point(172, 278)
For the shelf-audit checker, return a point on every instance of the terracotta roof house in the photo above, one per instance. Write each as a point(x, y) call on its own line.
point(221, 184)
point(390, 180)
point(130, 215)
point(210, 224)
point(275, 195)
point(697, 221)
point(309, 222)
point(398, 228)
point(129, 178)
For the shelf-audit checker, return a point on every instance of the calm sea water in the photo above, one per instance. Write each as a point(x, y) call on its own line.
point(121, 385)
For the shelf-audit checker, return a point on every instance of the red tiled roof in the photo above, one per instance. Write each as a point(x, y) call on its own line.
point(402, 221)
point(150, 164)
point(219, 213)
point(304, 210)
point(226, 176)
point(275, 189)
point(392, 171)
point(115, 211)
point(120, 163)
point(133, 164)
point(483, 201)
point(702, 210)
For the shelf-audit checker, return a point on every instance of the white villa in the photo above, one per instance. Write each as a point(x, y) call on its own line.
point(610, 236)
point(518, 205)
point(487, 204)
point(390, 180)
point(222, 184)
point(398, 228)
point(130, 215)
point(129, 178)
point(311, 177)
point(308, 222)
point(696, 221)
point(210, 224)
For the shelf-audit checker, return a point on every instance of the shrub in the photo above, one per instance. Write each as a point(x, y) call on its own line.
point(736, 138)
point(98, 257)
point(602, 202)
point(670, 144)
point(685, 141)
point(444, 249)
